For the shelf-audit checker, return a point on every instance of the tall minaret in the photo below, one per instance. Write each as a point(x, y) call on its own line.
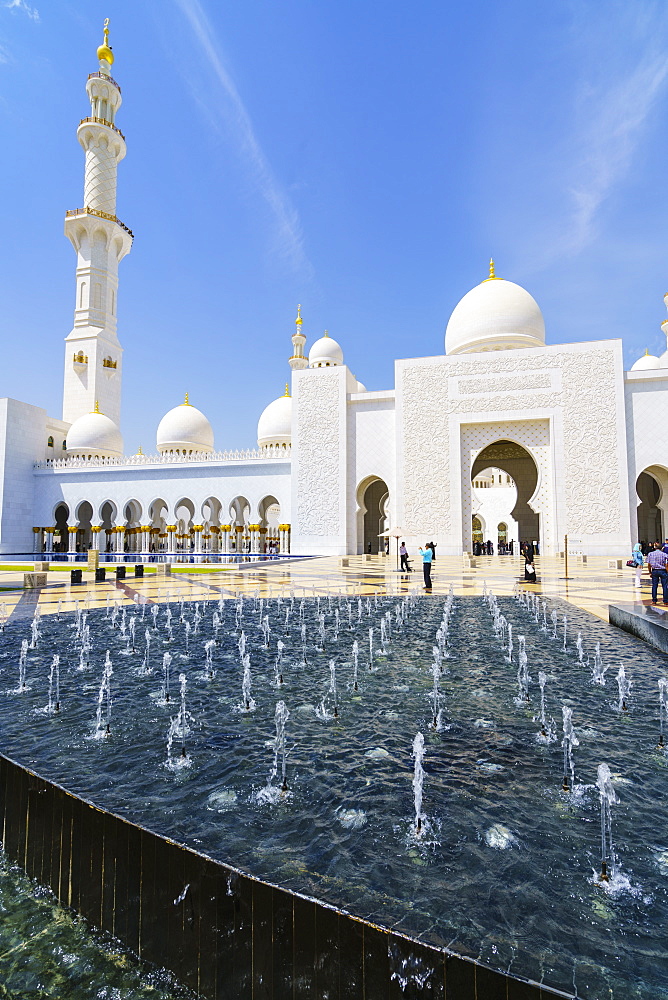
point(93, 355)
point(298, 361)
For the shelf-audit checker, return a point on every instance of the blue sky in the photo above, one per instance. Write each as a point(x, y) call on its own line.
point(364, 159)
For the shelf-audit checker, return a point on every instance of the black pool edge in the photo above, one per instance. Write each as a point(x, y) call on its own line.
point(643, 621)
point(223, 933)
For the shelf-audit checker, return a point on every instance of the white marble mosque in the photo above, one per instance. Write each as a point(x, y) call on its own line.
point(501, 437)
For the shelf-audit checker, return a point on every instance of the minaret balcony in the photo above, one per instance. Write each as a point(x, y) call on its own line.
point(106, 78)
point(102, 121)
point(101, 215)
point(110, 367)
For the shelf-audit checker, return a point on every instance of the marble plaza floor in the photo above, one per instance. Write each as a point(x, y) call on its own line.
point(591, 586)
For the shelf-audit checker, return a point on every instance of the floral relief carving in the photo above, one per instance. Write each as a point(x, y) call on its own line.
point(593, 476)
point(426, 449)
point(318, 486)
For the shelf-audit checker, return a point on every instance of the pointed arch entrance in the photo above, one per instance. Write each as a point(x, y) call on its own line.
point(652, 490)
point(515, 461)
point(373, 505)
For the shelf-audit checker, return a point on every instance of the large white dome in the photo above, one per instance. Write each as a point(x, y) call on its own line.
point(496, 315)
point(275, 424)
point(186, 429)
point(93, 435)
point(325, 353)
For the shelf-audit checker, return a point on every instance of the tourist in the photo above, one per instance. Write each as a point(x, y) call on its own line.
point(656, 563)
point(529, 568)
point(665, 546)
point(403, 552)
point(432, 546)
point(638, 562)
point(427, 556)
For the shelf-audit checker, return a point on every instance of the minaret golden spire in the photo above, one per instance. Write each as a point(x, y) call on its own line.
point(186, 401)
point(287, 390)
point(297, 361)
point(97, 407)
point(104, 51)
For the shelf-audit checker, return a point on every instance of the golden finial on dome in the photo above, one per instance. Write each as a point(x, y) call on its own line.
point(287, 391)
point(97, 407)
point(104, 51)
point(326, 333)
point(492, 274)
point(186, 401)
point(140, 452)
point(299, 320)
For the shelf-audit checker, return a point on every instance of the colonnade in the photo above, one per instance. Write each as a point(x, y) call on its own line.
point(200, 539)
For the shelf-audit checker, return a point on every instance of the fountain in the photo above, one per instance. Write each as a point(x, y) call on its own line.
point(663, 708)
point(624, 685)
point(495, 812)
point(608, 799)
point(569, 742)
point(418, 780)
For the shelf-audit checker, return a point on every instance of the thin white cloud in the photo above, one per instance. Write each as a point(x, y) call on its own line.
point(290, 241)
point(612, 120)
point(21, 5)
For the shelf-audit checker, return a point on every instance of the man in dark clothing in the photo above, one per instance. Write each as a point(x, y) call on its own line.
point(656, 561)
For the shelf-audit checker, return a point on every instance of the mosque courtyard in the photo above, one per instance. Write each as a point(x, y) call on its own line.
point(591, 586)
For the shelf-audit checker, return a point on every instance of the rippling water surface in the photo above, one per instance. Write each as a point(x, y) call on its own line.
point(505, 869)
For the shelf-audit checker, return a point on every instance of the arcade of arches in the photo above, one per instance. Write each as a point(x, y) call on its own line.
point(210, 527)
point(517, 463)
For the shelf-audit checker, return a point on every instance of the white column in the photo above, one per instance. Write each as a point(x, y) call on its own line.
point(225, 538)
point(49, 539)
point(37, 540)
point(120, 539)
point(171, 542)
point(197, 529)
point(95, 530)
point(254, 530)
point(72, 547)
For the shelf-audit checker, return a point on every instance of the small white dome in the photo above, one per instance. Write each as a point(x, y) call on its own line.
point(325, 353)
point(648, 362)
point(275, 424)
point(185, 428)
point(496, 315)
point(93, 435)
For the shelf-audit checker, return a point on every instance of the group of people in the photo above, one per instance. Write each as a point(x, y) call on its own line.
point(657, 565)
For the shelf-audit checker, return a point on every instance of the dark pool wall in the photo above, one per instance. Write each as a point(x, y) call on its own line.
point(223, 934)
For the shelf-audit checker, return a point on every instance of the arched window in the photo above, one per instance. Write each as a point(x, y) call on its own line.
point(49, 443)
point(64, 445)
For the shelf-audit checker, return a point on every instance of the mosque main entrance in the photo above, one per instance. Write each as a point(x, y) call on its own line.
point(515, 462)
